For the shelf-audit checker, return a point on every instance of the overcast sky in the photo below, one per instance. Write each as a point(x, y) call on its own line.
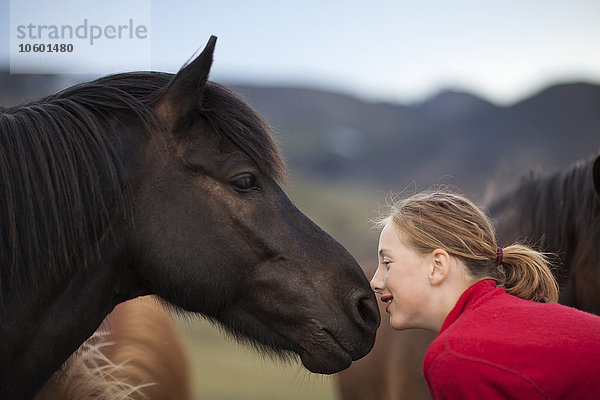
point(401, 50)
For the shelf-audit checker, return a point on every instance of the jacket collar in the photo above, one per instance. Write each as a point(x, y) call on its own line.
point(470, 299)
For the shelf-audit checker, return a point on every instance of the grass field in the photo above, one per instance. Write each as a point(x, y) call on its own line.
point(225, 370)
point(342, 209)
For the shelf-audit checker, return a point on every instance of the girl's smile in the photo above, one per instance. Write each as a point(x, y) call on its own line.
point(387, 299)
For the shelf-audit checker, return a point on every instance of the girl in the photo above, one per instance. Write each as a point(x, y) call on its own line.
point(500, 333)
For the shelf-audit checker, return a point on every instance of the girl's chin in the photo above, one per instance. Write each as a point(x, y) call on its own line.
point(400, 324)
point(397, 323)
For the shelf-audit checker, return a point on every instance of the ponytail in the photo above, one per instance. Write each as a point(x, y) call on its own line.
point(526, 273)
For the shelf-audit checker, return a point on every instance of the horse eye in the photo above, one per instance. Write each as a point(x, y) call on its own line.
point(244, 183)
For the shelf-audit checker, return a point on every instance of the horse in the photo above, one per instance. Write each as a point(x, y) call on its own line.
point(136, 353)
point(557, 213)
point(152, 183)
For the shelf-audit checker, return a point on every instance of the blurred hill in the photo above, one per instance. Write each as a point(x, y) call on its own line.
point(454, 135)
point(344, 154)
point(21, 88)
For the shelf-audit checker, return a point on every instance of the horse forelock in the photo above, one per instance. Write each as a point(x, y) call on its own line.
point(59, 169)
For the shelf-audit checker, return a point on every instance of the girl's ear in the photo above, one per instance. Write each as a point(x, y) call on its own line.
point(440, 267)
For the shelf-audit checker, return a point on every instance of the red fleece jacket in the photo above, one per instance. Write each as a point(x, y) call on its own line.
point(493, 345)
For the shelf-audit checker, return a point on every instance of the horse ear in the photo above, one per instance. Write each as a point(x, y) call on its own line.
point(183, 94)
point(596, 175)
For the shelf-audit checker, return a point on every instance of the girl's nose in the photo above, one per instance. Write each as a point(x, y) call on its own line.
point(377, 282)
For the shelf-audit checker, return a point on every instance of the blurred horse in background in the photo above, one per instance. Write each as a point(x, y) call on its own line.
point(558, 213)
point(137, 353)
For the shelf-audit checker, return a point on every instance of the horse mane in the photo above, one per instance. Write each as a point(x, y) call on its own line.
point(62, 176)
point(561, 205)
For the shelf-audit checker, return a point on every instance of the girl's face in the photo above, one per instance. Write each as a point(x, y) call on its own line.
point(402, 281)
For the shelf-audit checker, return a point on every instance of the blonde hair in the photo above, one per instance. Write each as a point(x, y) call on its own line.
point(442, 220)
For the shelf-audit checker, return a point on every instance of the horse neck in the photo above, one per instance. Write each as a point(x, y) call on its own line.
point(577, 204)
point(47, 328)
point(541, 212)
point(558, 212)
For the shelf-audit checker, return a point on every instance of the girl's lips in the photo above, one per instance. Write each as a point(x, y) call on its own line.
point(387, 299)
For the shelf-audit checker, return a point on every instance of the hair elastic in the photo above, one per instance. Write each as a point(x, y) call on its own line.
point(499, 257)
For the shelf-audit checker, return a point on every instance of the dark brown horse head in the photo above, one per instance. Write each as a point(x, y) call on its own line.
point(149, 183)
point(215, 234)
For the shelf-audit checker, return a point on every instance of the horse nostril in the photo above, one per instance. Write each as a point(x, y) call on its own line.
point(369, 312)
